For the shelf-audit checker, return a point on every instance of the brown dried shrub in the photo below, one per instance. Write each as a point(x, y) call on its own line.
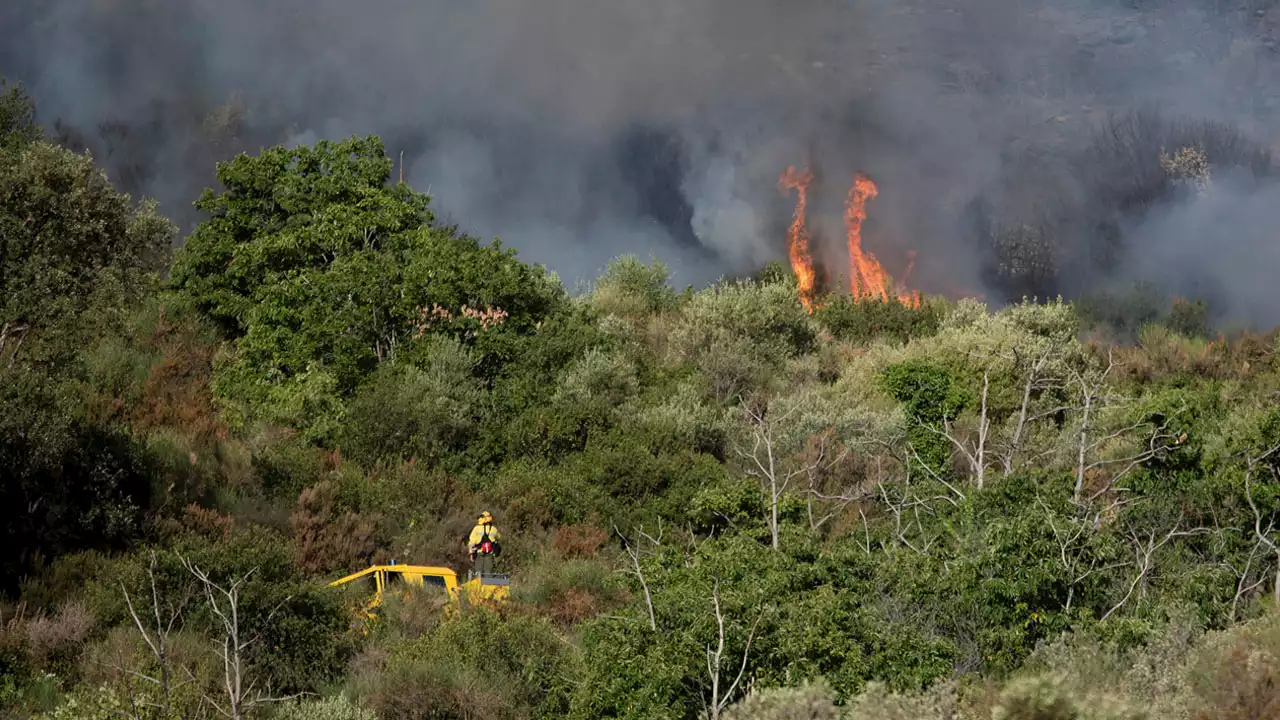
point(176, 393)
point(41, 642)
point(52, 638)
point(578, 541)
point(1246, 685)
point(330, 541)
point(573, 606)
point(197, 521)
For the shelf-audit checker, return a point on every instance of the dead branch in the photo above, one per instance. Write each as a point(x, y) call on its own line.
point(1070, 561)
point(634, 553)
point(1264, 537)
point(1157, 443)
point(714, 658)
point(1035, 382)
point(1144, 553)
point(766, 463)
point(156, 639)
point(224, 603)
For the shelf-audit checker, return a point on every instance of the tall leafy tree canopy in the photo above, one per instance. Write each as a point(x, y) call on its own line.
point(68, 241)
point(76, 258)
point(318, 269)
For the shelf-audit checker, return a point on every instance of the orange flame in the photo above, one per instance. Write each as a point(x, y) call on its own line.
point(798, 234)
point(867, 277)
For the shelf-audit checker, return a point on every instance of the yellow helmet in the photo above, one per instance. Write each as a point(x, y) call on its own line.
point(485, 517)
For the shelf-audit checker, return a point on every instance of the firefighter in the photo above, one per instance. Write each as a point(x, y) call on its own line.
point(484, 544)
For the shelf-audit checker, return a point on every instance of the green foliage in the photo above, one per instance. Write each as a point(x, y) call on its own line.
point(337, 707)
point(1044, 698)
point(477, 663)
point(100, 703)
point(319, 271)
point(570, 590)
point(18, 125)
point(628, 288)
point(931, 397)
point(824, 628)
point(74, 253)
point(298, 627)
point(426, 411)
point(1189, 318)
point(866, 319)
point(1123, 314)
point(739, 334)
point(68, 485)
point(811, 701)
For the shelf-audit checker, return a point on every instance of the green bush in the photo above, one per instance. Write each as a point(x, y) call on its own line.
point(337, 707)
point(69, 485)
point(1048, 698)
point(478, 663)
point(425, 413)
point(931, 396)
point(630, 289)
point(811, 701)
point(570, 591)
point(865, 319)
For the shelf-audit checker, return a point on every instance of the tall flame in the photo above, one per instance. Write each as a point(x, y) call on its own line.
point(798, 234)
point(867, 277)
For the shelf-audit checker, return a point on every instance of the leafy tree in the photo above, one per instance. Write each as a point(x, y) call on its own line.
point(68, 485)
point(17, 117)
point(931, 396)
point(426, 413)
point(319, 270)
point(74, 253)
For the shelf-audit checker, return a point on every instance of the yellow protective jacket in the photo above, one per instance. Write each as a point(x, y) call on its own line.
point(477, 533)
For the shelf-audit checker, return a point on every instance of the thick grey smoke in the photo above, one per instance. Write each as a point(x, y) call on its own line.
point(578, 130)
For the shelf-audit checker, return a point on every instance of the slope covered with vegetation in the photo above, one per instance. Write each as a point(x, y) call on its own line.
point(715, 504)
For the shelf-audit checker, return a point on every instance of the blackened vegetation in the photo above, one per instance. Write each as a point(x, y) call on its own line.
point(1058, 223)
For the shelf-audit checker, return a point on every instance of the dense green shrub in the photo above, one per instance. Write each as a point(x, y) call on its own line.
point(337, 707)
point(424, 412)
point(69, 485)
point(807, 702)
point(477, 663)
point(865, 319)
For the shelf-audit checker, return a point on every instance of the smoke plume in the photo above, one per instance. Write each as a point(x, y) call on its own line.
point(578, 130)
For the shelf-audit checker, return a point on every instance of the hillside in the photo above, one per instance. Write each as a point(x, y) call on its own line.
point(714, 502)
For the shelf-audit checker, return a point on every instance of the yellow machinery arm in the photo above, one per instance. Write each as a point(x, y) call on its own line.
point(477, 590)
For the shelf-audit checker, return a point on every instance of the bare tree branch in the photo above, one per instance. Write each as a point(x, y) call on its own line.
point(156, 638)
point(224, 603)
point(1264, 537)
point(774, 466)
point(1144, 553)
point(715, 658)
point(634, 553)
point(1070, 562)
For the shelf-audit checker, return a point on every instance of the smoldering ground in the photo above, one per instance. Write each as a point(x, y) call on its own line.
point(579, 130)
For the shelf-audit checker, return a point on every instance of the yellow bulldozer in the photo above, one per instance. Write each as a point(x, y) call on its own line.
point(406, 579)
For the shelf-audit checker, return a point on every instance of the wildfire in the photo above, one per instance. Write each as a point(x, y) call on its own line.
point(798, 233)
point(867, 277)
